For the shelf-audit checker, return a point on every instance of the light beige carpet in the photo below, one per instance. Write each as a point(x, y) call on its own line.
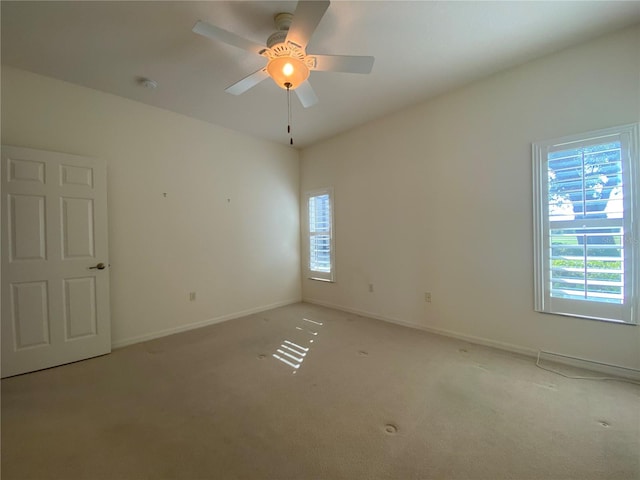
point(370, 400)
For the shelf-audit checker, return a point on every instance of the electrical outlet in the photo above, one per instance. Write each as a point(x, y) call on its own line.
point(371, 288)
point(192, 296)
point(427, 297)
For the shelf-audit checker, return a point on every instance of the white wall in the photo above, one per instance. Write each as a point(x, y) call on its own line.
point(239, 256)
point(438, 198)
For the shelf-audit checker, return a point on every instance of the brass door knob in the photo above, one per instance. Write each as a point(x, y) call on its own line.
point(100, 266)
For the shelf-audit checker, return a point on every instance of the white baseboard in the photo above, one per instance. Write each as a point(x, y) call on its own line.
point(212, 321)
point(509, 347)
point(438, 331)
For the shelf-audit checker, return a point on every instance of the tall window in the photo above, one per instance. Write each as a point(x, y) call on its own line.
point(320, 235)
point(586, 232)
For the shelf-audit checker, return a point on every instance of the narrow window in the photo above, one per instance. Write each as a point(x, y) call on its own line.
point(320, 235)
point(585, 209)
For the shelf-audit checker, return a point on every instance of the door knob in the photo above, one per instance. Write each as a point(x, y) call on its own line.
point(100, 266)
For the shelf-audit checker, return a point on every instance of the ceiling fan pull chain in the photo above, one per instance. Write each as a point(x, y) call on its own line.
point(288, 85)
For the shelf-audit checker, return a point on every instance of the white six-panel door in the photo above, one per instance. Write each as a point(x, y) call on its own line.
point(55, 298)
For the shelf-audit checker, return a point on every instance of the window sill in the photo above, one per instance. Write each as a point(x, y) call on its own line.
point(326, 280)
point(586, 317)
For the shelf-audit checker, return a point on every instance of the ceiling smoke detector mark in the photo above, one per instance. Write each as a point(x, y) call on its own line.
point(391, 429)
point(148, 83)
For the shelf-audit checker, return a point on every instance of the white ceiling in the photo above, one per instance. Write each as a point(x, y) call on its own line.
point(422, 49)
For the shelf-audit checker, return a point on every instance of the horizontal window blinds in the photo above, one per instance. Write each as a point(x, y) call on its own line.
point(584, 208)
point(320, 235)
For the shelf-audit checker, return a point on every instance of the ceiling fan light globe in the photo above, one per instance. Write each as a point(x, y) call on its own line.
point(287, 70)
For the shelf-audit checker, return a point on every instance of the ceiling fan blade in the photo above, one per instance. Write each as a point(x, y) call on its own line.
point(306, 95)
point(305, 20)
point(247, 82)
point(343, 63)
point(217, 33)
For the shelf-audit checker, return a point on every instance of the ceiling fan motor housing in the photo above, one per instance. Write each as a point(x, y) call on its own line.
point(275, 38)
point(283, 22)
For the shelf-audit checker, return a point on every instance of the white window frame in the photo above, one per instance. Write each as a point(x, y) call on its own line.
point(315, 274)
point(627, 312)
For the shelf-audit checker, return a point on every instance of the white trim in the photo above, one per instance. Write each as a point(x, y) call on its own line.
point(626, 313)
point(530, 352)
point(587, 137)
point(539, 213)
point(634, 212)
point(314, 274)
point(191, 326)
point(594, 365)
point(507, 347)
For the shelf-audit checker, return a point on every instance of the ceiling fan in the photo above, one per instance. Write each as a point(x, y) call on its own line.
point(288, 63)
